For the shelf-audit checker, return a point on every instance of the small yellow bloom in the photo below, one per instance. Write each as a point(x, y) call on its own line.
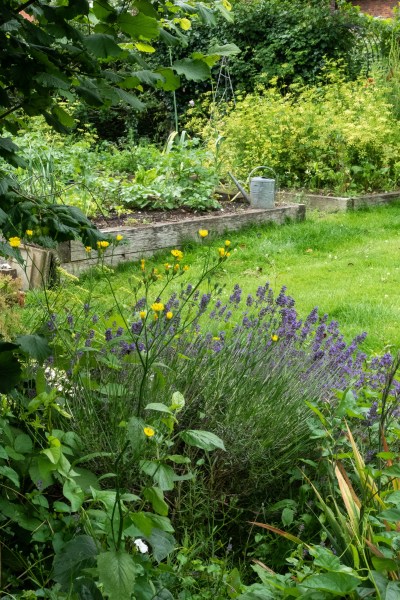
point(14, 242)
point(227, 243)
point(119, 237)
point(155, 316)
point(203, 233)
point(176, 267)
point(143, 314)
point(103, 244)
point(221, 252)
point(185, 24)
point(274, 337)
point(142, 264)
point(185, 268)
point(177, 254)
point(149, 431)
point(169, 315)
point(29, 232)
point(157, 306)
point(167, 266)
point(227, 254)
point(88, 249)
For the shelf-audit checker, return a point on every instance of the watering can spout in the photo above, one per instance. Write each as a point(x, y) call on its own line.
point(240, 187)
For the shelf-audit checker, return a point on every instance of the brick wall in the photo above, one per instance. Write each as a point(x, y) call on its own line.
point(377, 8)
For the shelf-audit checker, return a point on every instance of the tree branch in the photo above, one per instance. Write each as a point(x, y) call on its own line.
point(9, 111)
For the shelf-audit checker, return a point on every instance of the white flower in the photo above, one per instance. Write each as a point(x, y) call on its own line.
point(191, 103)
point(141, 546)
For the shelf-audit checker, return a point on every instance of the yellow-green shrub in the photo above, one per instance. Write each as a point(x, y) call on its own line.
point(341, 136)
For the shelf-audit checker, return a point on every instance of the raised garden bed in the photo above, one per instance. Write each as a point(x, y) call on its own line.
point(337, 203)
point(141, 240)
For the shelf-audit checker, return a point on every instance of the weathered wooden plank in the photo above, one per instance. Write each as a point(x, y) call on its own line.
point(146, 240)
point(337, 203)
point(37, 267)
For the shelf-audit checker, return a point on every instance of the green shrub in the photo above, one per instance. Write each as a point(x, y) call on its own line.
point(340, 137)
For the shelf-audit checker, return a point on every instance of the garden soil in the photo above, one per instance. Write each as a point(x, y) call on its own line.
point(140, 218)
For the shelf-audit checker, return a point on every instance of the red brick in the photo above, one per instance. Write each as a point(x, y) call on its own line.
point(377, 8)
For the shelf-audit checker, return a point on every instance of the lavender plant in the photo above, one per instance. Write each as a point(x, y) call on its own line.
point(246, 366)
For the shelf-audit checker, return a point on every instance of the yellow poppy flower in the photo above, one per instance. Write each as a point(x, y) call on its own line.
point(157, 306)
point(14, 242)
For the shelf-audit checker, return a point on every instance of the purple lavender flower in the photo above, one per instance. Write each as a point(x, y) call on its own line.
point(137, 327)
point(236, 296)
point(205, 299)
point(140, 304)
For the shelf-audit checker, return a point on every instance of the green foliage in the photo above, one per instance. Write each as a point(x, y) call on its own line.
point(340, 136)
point(284, 41)
point(62, 531)
point(356, 503)
point(53, 54)
point(106, 178)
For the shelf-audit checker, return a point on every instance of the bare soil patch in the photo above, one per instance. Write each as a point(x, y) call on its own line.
point(140, 218)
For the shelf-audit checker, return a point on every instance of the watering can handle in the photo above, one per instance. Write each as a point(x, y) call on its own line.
point(261, 167)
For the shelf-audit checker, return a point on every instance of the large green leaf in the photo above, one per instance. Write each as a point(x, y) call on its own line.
point(135, 435)
point(338, 584)
point(392, 591)
point(162, 544)
point(78, 554)
point(117, 573)
point(10, 474)
point(87, 589)
point(102, 46)
point(162, 474)
point(103, 10)
point(170, 81)
point(74, 493)
point(34, 346)
point(139, 26)
point(202, 439)
point(224, 50)
point(194, 70)
point(156, 497)
point(130, 99)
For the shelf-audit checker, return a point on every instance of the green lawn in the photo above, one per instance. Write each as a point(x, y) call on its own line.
point(346, 264)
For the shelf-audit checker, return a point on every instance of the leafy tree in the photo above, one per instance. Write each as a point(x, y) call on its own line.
point(53, 52)
point(285, 41)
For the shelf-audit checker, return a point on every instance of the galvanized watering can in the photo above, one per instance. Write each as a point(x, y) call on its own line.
point(262, 190)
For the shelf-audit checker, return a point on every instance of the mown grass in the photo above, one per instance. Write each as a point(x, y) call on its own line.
point(346, 264)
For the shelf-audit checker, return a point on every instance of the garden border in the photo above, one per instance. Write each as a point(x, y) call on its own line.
point(146, 240)
point(338, 203)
